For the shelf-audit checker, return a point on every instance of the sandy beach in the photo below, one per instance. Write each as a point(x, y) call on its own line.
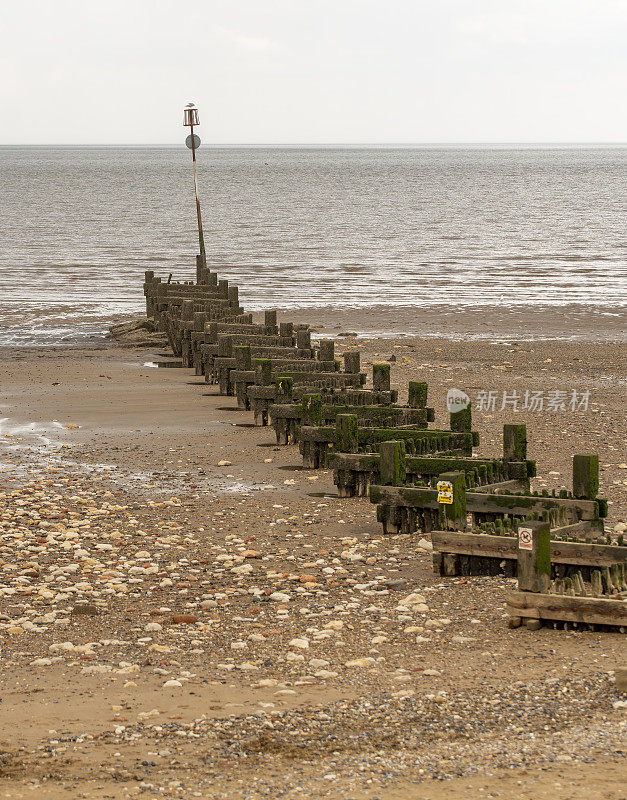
point(182, 680)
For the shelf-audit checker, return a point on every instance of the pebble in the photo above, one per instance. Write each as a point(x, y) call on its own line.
point(360, 662)
point(145, 569)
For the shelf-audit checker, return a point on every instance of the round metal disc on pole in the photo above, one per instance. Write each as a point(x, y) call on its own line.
point(196, 142)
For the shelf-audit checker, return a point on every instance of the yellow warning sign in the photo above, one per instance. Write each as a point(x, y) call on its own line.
point(445, 492)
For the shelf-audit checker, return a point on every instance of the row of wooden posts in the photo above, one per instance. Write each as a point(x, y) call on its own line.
point(419, 477)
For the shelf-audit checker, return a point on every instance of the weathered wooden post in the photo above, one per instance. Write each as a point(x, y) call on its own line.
point(284, 388)
point(461, 417)
point(243, 358)
point(327, 350)
point(451, 488)
point(534, 565)
point(312, 409)
point(393, 463)
point(346, 436)
point(534, 556)
point(200, 270)
point(352, 362)
point(263, 371)
point(585, 476)
point(149, 277)
point(303, 339)
point(270, 318)
point(417, 394)
point(381, 376)
point(191, 118)
point(514, 442)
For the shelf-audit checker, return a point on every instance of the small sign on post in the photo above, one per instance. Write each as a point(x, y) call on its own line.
point(525, 539)
point(445, 492)
point(193, 144)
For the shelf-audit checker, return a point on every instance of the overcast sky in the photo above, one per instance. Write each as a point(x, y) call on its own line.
point(411, 71)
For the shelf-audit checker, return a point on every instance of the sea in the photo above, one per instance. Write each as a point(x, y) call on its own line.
point(339, 227)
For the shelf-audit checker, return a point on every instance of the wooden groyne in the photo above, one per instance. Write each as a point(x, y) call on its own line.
point(481, 512)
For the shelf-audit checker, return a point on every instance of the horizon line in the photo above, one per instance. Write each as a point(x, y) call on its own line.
point(552, 143)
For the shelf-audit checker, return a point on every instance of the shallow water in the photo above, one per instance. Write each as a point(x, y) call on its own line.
point(302, 227)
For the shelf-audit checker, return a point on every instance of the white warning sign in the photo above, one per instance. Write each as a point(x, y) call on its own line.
point(445, 492)
point(525, 539)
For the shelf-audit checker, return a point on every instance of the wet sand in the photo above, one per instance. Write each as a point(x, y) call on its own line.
point(327, 691)
point(481, 323)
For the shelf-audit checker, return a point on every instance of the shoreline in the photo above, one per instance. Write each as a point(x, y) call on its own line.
point(573, 323)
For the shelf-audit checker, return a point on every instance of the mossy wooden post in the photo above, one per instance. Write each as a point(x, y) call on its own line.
point(452, 500)
point(392, 463)
point(534, 556)
point(352, 362)
point(346, 439)
point(286, 329)
point(233, 296)
point(243, 359)
point(514, 442)
point(596, 583)
point(585, 476)
point(417, 394)
point(187, 310)
point(270, 319)
point(263, 371)
point(326, 351)
point(312, 409)
point(284, 388)
point(223, 288)
point(303, 340)
point(381, 376)
point(462, 420)
point(225, 347)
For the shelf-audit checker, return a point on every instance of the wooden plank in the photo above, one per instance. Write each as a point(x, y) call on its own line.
point(513, 485)
point(482, 544)
point(592, 610)
point(594, 555)
point(484, 503)
point(578, 527)
point(522, 505)
point(474, 544)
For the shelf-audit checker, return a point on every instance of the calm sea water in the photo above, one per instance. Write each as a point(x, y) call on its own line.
point(297, 227)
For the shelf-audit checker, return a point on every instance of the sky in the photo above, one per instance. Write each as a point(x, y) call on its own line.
point(313, 71)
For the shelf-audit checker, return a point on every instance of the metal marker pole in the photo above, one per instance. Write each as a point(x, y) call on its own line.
point(201, 238)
